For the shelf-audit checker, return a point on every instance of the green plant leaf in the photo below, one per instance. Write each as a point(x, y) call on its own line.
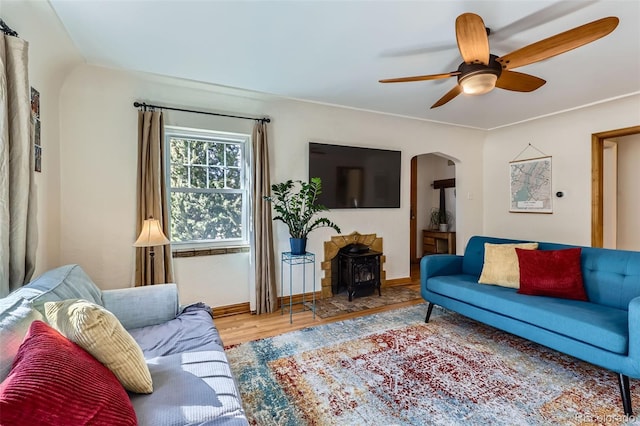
point(295, 205)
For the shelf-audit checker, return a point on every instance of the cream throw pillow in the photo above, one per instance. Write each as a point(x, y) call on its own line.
point(99, 332)
point(501, 264)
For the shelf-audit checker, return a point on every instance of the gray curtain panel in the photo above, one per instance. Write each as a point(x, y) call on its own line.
point(17, 194)
point(152, 197)
point(264, 260)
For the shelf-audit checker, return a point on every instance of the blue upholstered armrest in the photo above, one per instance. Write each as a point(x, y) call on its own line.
point(634, 332)
point(142, 306)
point(440, 264)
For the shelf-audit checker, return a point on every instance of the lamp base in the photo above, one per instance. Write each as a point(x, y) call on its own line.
point(153, 263)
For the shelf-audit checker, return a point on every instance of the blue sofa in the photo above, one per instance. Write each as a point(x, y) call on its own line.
point(604, 331)
point(192, 381)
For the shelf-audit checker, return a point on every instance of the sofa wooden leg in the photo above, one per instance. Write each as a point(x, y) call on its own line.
point(625, 393)
point(429, 310)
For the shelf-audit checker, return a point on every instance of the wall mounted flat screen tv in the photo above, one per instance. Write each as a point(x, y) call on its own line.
point(355, 177)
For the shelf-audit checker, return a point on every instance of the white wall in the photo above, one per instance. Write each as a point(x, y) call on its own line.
point(49, 64)
point(628, 232)
point(98, 161)
point(567, 138)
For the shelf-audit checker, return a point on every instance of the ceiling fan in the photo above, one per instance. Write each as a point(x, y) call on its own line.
point(481, 71)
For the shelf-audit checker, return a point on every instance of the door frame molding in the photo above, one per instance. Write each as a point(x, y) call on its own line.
point(597, 180)
point(413, 226)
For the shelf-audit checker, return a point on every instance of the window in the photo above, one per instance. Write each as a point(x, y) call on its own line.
point(208, 190)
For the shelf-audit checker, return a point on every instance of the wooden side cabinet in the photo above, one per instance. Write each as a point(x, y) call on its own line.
point(438, 242)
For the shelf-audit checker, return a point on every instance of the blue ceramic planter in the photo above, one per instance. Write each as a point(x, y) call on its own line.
point(298, 245)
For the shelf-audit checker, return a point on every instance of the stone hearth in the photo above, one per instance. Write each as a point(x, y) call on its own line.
point(331, 249)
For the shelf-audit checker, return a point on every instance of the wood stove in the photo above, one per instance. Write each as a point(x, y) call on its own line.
point(358, 270)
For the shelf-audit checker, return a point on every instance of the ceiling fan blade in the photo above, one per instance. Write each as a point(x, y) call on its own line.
point(457, 89)
point(472, 39)
point(420, 77)
point(519, 82)
point(559, 43)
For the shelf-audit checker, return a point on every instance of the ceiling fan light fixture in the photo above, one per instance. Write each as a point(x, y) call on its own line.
point(478, 84)
point(477, 78)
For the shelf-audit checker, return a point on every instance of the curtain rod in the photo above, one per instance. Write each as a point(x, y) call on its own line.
point(5, 29)
point(146, 105)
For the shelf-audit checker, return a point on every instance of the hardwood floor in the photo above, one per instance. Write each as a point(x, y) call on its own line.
point(242, 328)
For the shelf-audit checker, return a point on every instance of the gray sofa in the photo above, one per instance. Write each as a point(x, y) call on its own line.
point(605, 330)
point(192, 381)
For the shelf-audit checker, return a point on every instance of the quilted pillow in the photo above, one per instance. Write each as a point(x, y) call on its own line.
point(100, 333)
point(554, 273)
point(501, 264)
point(55, 382)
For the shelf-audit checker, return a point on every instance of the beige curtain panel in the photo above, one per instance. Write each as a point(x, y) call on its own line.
point(17, 196)
point(264, 261)
point(152, 198)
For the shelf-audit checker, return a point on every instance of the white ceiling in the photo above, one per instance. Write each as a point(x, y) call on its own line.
point(335, 52)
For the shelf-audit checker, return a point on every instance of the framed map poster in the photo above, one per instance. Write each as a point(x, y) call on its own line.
point(530, 185)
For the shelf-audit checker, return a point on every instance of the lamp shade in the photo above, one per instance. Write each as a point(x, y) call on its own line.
point(151, 234)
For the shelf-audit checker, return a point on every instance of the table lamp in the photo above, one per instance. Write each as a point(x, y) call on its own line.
point(151, 235)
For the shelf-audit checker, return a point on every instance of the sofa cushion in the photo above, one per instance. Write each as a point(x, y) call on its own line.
point(597, 325)
point(501, 264)
point(100, 333)
point(65, 282)
point(191, 330)
point(190, 371)
point(55, 382)
point(554, 273)
point(191, 388)
point(16, 315)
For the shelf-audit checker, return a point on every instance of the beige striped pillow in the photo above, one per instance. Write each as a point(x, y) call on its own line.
point(501, 264)
point(99, 332)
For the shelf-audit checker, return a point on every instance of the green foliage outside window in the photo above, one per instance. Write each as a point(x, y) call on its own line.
point(208, 194)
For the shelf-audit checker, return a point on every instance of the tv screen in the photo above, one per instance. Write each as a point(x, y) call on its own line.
point(354, 177)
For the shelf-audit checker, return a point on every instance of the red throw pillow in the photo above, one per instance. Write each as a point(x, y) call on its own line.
point(53, 381)
point(554, 273)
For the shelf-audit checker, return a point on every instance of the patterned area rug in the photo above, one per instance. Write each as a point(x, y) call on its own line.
point(339, 304)
point(392, 369)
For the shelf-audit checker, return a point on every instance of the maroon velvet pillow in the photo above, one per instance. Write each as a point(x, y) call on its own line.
point(554, 273)
point(55, 382)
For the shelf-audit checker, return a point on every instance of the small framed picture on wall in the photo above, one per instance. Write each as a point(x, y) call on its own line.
point(35, 119)
point(38, 158)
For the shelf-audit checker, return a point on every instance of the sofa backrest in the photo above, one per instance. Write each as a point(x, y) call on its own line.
point(474, 253)
point(611, 277)
point(19, 309)
point(65, 282)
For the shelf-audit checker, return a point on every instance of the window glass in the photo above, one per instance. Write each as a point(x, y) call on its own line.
point(208, 195)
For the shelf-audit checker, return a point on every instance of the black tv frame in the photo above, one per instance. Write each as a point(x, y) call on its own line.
point(356, 176)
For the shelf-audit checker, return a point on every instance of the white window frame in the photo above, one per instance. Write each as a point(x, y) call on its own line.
point(245, 172)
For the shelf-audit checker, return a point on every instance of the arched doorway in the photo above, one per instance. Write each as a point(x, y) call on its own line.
point(425, 169)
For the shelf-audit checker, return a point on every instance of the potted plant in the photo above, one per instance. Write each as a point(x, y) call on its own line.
point(295, 204)
point(440, 219)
